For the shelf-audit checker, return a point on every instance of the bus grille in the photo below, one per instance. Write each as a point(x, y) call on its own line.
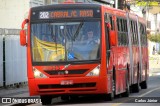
point(65, 72)
point(77, 85)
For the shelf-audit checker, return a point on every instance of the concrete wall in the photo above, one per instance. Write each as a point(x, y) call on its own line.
point(12, 13)
point(34, 3)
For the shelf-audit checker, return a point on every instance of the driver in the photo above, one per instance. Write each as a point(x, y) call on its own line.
point(90, 39)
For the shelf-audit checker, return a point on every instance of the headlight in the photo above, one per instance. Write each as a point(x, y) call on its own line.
point(38, 74)
point(94, 72)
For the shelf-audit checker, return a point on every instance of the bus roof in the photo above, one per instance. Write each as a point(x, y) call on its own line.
point(60, 6)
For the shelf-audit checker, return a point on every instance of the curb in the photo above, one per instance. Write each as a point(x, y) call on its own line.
point(154, 74)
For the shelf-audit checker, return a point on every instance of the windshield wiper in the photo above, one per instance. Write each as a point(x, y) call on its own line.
point(77, 31)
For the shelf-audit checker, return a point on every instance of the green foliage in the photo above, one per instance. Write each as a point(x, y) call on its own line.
point(154, 37)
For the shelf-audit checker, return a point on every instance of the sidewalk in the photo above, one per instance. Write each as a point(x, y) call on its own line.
point(154, 65)
point(12, 91)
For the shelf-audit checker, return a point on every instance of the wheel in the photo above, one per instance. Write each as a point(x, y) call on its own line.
point(46, 99)
point(144, 85)
point(127, 92)
point(110, 96)
point(74, 97)
point(65, 97)
point(135, 87)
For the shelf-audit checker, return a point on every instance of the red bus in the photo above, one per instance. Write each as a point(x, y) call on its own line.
point(81, 49)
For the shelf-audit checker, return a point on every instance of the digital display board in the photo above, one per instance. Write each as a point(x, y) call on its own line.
point(62, 11)
point(66, 14)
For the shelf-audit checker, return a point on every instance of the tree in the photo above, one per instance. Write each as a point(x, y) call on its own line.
point(154, 37)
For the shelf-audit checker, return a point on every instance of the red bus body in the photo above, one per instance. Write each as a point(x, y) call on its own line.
point(125, 63)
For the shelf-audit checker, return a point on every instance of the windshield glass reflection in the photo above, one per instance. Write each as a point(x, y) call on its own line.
point(69, 41)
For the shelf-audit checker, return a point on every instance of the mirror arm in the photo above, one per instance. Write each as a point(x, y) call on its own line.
point(23, 33)
point(109, 25)
point(24, 22)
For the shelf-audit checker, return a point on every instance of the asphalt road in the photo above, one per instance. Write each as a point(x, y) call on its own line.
point(136, 99)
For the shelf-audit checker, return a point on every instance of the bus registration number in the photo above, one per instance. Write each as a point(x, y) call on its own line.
point(67, 82)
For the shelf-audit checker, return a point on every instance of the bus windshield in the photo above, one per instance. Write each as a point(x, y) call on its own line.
point(67, 41)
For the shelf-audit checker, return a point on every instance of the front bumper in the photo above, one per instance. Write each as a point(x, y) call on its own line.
point(76, 85)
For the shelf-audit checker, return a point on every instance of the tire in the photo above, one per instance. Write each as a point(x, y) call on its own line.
point(144, 85)
point(110, 96)
point(65, 97)
point(46, 99)
point(135, 87)
point(74, 97)
point(127, 92)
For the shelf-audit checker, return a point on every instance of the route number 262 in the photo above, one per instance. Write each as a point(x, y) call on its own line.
point(44, 15)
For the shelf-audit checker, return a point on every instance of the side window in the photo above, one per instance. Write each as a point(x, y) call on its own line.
point(125, 31)
point(107, 19)
point(136, 34)
point(118, 26)
point(122, 32)
point(145, 36)
point(135, 29)
point(121, 25)
point(111, 22)
point(133, 33)
point(107, 36)
point(141, 30)
point(131, 26)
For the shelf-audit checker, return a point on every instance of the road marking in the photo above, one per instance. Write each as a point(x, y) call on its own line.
point(117, 104)
point(149, 92)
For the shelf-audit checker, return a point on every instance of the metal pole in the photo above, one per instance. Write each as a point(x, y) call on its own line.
point(4, 65)
point(156, 23)
point(116, 4)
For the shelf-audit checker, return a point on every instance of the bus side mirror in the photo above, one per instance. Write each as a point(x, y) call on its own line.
point(23, 33)
point(113, 41)
point(23, 37)
point(112, 35)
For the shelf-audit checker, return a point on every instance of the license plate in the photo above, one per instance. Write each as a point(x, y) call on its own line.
point(67, 82)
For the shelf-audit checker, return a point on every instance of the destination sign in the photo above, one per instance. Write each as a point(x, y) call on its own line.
point(83, 13)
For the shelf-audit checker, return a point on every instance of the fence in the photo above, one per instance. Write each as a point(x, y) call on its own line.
point(13, 70)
